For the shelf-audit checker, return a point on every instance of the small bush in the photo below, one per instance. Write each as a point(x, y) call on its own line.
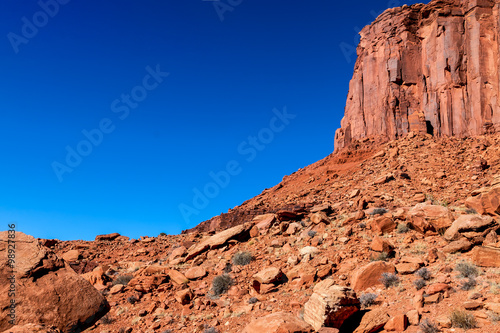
point(312, 233)
point(382, 256)
point(419, 284)
point(253, 300)
point(367, 299)
point(362, 225)
point(402, 228)
point(466, 269)
point(389, 280)
point(470, 211)
point(378, 211)
point(495, 288)
point(210, 330)
point(106, 320)
point(132, 299)
point(242, 258)
point(494, 317)
point(428, 327)
point(122, 279)
point(469, 284)
point(162, 234)
point(424, 273)
point(462, 319)
point(221, 284)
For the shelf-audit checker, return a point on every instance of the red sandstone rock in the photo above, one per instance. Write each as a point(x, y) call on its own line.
point(48, 291)
point(427, 69)
point(330, 305)
point(370, 274)
point(279, 322)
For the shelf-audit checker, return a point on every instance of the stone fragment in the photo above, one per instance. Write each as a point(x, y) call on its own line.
point(486, 256)
point(71, 256)
point(184, 296)
point(330, 305)
point(467, 223)
point(424, 217)
point(373, 321)
point(279, 322)
point(195, 273)
point(108, 237)
point(370, 274)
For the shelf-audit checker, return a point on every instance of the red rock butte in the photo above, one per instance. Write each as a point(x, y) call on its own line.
point(426, 69)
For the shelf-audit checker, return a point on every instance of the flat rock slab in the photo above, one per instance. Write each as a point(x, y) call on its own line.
point(219, 239)
point(280, 322)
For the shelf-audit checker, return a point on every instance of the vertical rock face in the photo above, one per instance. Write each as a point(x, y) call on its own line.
point(428, 69)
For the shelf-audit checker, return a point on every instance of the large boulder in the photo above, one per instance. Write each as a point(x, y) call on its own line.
point(470, 226)
point(424, 217)
point(48, 292)
point(330, 305)
point(487, 202)
point(486, 256)
point(370, 275)
point(279, 322)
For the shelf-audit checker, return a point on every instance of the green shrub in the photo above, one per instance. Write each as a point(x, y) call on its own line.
point(312, 233)
point(424, 273)
point(428, 327)
point(378, 211)
point(462, 319)
point(419, 284)
point(367, 299)
point(466, 269)
point(469, 284)
point(221, 284)
point(122, 279)
point(402, 228)
point(242, 258)
point(389, 280)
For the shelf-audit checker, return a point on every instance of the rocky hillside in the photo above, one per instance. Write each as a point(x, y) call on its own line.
point(399, 237)
point(426, 68)
point(397, 231)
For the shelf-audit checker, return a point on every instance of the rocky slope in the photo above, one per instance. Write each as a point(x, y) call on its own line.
point(426, 68)
point(415, 203)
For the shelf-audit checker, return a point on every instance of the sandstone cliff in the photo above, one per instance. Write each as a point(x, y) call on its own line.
point(426, 68)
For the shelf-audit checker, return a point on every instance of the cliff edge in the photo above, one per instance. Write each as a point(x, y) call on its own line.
point(426, 69)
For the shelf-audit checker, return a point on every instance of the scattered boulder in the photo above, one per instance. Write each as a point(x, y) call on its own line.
point(71, 255)
point(330, 305)
point(48, 292)
point(424, 217)
point(383, 224)
point(470, 226)
point(279, 322)
point(195, 273)
point(373, 321)
point(370, 274)
point(381, 245)
point(241, 233)
point(486, 256)
point(108, 237)
point(488, 202)
point(267, 279)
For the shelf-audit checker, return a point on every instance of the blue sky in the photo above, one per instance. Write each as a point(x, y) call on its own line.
point(141, 117)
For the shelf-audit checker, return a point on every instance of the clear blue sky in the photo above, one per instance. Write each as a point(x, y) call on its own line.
point(114, 114)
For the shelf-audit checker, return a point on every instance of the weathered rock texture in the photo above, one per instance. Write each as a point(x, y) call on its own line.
point(47, 290)
point(426, 69)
